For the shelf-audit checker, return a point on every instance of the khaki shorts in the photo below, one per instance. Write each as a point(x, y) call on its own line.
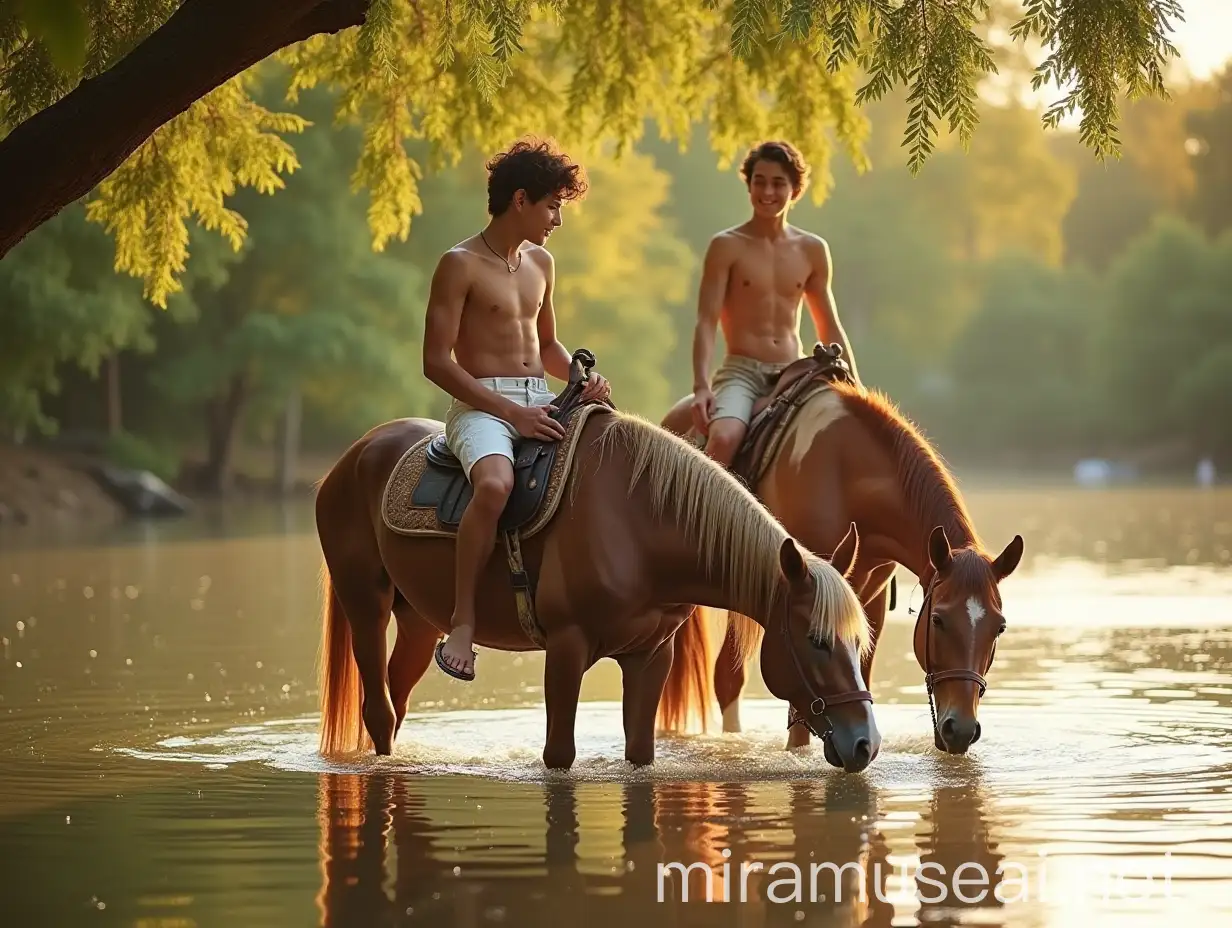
point(473, 434)
point(739, 383)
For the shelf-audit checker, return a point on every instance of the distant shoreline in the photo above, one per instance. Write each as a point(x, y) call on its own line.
point(49, 491)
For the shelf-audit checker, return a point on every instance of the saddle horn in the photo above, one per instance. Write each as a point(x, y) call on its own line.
point(580, 365)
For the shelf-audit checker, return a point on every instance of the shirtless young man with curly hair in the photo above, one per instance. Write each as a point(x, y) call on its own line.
point(489, 340)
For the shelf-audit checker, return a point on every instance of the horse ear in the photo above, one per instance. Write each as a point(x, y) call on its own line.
point(844, 556)
point(791, 561)
point(1007, 560)
point(939, 552)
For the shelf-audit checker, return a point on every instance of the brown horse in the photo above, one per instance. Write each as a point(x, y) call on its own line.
point(850, 456)
point(646, 523)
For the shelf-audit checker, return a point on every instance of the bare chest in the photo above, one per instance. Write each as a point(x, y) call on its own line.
point(782, 271)
point(497, 294)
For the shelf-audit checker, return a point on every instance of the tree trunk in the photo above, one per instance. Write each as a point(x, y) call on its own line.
point(223, 414)
point(58, 155)
point(115, 421)
point(286, 466)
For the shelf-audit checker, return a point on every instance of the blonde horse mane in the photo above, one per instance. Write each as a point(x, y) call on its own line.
point(736, 536)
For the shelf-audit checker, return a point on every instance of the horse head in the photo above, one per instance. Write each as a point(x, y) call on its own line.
point(810, 655)
point(956, 633)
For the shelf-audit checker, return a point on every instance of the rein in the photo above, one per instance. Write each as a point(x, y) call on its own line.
point(817, 704)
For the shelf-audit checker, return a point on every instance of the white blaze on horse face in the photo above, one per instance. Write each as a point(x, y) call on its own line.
point(817, 415)
point(975, 610)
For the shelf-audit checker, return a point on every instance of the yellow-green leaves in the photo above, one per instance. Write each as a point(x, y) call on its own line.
point(594, 74)
point(189, 167)
point(1097, 48)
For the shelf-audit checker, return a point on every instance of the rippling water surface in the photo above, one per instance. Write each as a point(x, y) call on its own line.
point(158, 764)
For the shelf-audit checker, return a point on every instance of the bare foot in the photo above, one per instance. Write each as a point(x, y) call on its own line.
point(456, 652)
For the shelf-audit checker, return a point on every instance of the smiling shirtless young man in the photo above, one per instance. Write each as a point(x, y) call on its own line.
point(754, 278)
point(489, 339)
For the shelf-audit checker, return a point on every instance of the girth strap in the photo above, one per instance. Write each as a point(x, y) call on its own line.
point(565, 404)
point(523, 589)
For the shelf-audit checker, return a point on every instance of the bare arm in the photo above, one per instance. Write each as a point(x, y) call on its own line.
point(820, 298)
point(715, 271)
point(446, 298)
point(552, 353)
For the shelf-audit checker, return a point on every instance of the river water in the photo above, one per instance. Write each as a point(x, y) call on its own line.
point(158, 766)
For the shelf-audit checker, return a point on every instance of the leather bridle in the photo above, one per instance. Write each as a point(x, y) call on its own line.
point(933, 677)
point(818, 705)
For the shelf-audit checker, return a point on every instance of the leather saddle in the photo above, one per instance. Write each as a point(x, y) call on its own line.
point(792, 386)
point(773, 414)
point(444, 485)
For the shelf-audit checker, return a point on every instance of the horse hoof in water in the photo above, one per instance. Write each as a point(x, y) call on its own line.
point(558, 760)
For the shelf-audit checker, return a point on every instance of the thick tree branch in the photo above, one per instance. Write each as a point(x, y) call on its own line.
point(60, 153)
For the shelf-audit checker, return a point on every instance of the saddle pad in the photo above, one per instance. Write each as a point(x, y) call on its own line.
point(772, 425)
point(400, 514)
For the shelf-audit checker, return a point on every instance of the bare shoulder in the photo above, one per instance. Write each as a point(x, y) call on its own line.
point(456, 263)
point(727, 243)
point(815, 249)
point(539, 256)
point(812, 243)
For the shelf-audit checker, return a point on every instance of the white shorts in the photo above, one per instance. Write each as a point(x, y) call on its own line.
point(473, 434)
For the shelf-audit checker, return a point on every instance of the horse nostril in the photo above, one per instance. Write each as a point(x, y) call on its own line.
point(947, 728)
point(863, 751)
point(976, 736)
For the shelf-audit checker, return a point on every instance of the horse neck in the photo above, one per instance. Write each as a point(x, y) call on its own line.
point(683, 577)
point(923, 503)
point(945, 511)
point(705, 540)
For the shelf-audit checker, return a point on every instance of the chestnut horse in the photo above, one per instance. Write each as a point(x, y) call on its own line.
point(850, 456)
point(648, 523)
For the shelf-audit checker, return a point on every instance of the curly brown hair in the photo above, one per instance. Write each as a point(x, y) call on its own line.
point(783, 153)
point(536, 166)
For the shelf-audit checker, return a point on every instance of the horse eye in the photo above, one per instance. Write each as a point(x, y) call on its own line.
point(1001, 630)
point(819, 643)
point(937, 619)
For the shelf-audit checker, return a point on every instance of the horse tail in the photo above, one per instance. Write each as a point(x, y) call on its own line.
point(341, 696)
point(691, 679)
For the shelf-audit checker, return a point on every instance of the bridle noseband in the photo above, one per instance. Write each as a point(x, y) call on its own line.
point(817, 704)
point(933, 677)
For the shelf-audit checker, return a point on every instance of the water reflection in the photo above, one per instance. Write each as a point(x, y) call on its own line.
point(157, 754)
point(959, 863)
point(766, 854)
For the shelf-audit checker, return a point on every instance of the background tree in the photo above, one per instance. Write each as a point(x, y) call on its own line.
point(61, 303)
point(149, 100)
point(1167, 330)
point(1208, 142)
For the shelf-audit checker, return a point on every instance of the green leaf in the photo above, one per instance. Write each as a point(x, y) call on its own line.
point(747, 22)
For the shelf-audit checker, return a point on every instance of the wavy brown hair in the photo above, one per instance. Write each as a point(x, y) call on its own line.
point(536, 166)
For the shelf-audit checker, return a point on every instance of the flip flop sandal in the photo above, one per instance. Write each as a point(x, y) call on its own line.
point(456, 674)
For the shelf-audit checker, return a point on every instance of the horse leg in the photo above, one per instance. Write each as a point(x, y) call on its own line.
point(644, 673)
point(797, 736)
point(566, 659)
point(875, 596)
point(367, 604)
point(411, 658)
point(729, 680)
